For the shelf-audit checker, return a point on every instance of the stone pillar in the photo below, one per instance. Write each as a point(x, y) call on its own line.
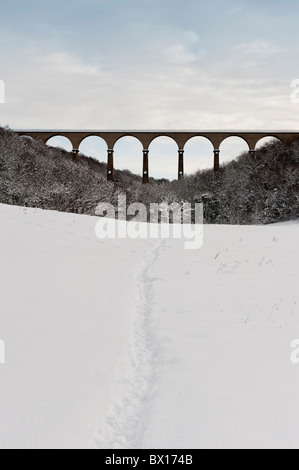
point(252, 153)
point(181, 164)
point(216, 160)
point(110, 166)
point(76, 155)
point(145, 175)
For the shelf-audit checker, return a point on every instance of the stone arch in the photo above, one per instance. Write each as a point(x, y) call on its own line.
point(163, 163)
point(236, 145)
point(81, 140)
point(94, 146)
point(27, 137)
point(62, 136)
point(132, 135)
point(198, 154)
point(158, 136)
point(269, 138)
point(129, 158)
point(200, 136)
point(239, 136)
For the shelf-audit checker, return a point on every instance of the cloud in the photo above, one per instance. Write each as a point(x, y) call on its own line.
point(67, 64)
point(174, 83)
point(149, 65)
point(259, 47)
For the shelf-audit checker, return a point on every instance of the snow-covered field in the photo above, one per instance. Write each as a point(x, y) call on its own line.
point(142, 344)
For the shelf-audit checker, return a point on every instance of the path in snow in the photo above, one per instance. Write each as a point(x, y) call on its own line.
point(67, 304)
point(125, 422)
point(129, 344)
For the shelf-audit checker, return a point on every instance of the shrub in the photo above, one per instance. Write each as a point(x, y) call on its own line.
point(254, 189)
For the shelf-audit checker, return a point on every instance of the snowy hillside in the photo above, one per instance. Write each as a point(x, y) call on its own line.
point(142, 344)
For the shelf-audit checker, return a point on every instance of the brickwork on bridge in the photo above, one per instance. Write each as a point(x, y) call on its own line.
point(147, 137)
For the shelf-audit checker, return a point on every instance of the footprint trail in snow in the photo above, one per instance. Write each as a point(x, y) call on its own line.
point(125, 423)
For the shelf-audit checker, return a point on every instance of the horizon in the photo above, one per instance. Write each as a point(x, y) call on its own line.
point(150, 64)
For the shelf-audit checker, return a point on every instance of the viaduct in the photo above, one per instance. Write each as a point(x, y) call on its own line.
point(146, 137)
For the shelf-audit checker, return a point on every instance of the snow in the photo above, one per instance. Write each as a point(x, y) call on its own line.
point(143, 344)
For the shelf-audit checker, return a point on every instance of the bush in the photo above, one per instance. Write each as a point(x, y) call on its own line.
point(254, 189)
point(35, 175)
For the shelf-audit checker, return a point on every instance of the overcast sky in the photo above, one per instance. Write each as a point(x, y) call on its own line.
point(149, 64)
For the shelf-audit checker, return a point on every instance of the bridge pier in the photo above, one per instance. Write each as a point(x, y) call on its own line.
point(76, 155)
point(181, 164)
point(110, 166)
point(216, 160)
point(252, 153)
point(145, 175)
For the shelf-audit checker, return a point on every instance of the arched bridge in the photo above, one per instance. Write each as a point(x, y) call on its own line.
point(146, 137)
